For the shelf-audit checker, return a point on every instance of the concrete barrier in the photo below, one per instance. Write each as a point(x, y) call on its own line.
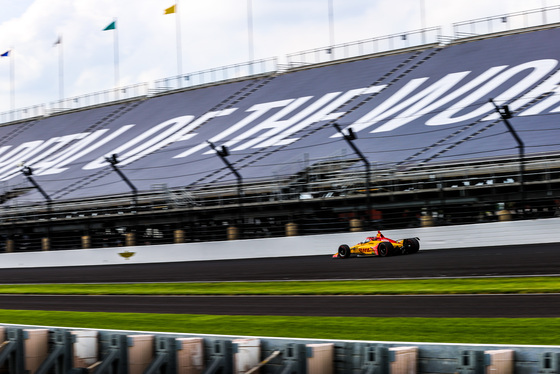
point(216, 353)
point(438, 237)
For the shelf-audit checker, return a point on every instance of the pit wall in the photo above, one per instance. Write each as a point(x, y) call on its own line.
point(440, 237)
point(42, 349)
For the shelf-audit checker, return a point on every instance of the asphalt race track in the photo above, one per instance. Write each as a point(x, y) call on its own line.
point(527, 260)
point(484, 306)
point(543, 259)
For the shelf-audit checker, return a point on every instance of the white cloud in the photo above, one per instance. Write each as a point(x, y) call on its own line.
point(214, 33)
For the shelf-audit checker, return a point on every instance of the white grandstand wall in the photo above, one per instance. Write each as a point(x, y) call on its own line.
point(440, 237)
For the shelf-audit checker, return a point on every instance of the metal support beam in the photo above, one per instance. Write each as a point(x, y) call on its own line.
point(115, 357)
point(294, 359)
point(264, 362)
point(28, 172)
point(60, 359)
point(113, 161)
point(505, 114)
point(223, 153)
point(349, 139)
point(13, 351)
point(221, 357)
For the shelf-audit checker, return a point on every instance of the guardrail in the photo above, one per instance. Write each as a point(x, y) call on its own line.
point(220, 74)
point(507, 22)
point(77, 102)
point(23, 113)
point(365, 47)
point(97, 98)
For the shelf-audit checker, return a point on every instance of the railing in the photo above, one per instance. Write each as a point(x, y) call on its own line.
point(220, 74)
point(76, 102)
point(311, 184)
point(507, 22)
point(365, 47)
point(23, 114)
point(97, 98)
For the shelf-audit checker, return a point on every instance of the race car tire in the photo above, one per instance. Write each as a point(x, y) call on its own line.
point(411, 245)
point(400, 250)
point(385, 249)
point(344, 251)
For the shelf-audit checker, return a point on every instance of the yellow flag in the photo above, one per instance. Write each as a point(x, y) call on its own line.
point(169, 10)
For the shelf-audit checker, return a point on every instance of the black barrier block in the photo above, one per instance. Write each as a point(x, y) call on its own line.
point(376, 359)
point(472, 362)
point(220, 357)
point(165, 361)
point(344, 355)
point(114, 356)
point(294, 359)
point(549, 363)
point(60, 358)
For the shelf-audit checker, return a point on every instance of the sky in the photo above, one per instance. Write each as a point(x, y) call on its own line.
point(213, 33)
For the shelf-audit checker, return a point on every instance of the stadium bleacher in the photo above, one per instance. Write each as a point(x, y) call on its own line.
point(421, 116)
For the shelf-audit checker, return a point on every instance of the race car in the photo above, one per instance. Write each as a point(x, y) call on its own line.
point(379, 245)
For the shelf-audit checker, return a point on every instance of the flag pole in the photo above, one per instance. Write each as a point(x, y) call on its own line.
point(250, 33)
point(179, 51)
point(60, 69)
point(423, 20)
point(12, 80)
point(331, 28)
point(116, 44)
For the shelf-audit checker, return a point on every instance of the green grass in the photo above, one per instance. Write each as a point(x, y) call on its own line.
point(532, 331)
point(360, 287)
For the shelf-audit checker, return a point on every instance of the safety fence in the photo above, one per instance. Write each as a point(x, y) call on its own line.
point(40, 350)
point(318, 200)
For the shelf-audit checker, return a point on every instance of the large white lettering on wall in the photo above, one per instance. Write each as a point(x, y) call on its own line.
point(448, 99)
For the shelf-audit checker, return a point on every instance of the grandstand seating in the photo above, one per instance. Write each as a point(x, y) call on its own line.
point(290, 144)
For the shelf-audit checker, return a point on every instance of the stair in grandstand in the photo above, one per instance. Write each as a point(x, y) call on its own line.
point(23, 127)
point(330, 164)
point(319, 176)
point(119, 112)
point(8, 192)
point(177, 198)
point(463, 134)
point(409, 64)
point(101, 123)
point(18, 129)
point(81, 183)
point(461, 130)
point(230, 101)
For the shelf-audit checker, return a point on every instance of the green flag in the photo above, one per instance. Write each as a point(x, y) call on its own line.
point(111, 26)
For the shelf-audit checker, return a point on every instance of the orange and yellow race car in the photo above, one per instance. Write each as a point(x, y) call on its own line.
point(379, 246)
